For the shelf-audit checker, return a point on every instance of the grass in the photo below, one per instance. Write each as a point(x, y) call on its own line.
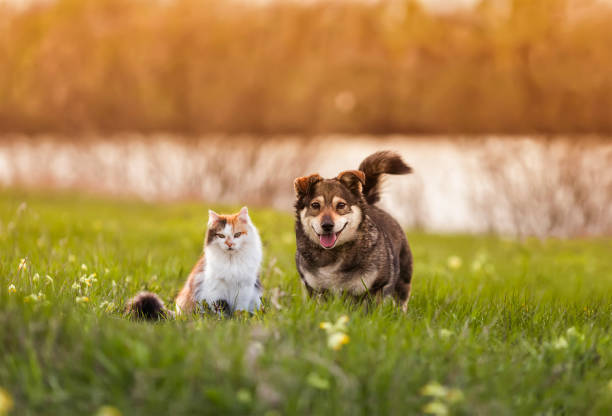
point(504, 327)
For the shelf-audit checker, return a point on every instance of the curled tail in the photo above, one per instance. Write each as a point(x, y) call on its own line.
point(147, 306)
point(376, 165)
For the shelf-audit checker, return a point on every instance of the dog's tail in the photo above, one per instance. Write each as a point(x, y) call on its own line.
point(147, 306)
point(376, 165)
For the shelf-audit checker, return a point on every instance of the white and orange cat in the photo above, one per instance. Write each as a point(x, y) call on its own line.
point(225, 278)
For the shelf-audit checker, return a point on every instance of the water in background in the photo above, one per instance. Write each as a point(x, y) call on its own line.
point(521, 186)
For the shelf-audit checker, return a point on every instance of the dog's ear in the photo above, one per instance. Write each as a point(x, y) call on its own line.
point(303, 184)
point(352, 179)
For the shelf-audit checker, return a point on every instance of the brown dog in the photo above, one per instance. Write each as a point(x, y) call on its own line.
point(344, 242)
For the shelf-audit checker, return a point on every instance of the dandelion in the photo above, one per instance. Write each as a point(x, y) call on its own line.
point(337, 340)
point(6, 402)
point(23, 265)
point(442, 396)
point(108, 411)
point(434, 389)
point(12, 289)
point(336, 333)
point(435, 408)
point(82, 299)
point(454, 262)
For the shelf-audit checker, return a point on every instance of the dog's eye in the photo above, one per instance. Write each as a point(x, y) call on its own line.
point(315, 205)
point(237, 235)
point(220, 236)
point(341, 205)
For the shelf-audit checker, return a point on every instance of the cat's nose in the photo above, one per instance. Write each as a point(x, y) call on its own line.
point(229, 244)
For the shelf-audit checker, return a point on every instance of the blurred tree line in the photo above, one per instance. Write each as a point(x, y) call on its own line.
point(198, 66)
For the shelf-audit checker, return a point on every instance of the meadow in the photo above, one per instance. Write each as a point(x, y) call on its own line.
point(495, 325)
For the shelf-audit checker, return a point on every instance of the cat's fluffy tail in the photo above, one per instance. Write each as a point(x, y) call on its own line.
point(147, 306)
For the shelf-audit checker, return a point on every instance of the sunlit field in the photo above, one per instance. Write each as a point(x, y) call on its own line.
point(278, 66)
point(495, 326)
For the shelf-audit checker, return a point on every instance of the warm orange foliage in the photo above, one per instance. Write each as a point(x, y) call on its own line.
point(194, 66)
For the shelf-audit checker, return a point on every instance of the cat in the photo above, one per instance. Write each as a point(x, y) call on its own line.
point(226, 277)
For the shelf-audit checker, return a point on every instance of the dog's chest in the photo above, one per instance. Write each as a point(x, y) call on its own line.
point(331, 277)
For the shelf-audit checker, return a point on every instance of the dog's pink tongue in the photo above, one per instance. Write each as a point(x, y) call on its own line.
point(327, 240)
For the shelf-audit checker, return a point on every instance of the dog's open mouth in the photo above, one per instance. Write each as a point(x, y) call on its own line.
point(328, 240)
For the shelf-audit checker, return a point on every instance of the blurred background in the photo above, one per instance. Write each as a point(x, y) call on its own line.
point(502, 107)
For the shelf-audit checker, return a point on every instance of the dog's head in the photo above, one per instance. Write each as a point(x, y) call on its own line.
point(330, 210)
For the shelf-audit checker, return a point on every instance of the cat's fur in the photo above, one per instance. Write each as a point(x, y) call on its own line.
point(225, 278)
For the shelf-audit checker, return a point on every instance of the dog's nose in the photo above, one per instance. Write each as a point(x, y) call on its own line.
point(327, 225)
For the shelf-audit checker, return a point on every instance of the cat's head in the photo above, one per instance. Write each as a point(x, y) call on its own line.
point(229, 233)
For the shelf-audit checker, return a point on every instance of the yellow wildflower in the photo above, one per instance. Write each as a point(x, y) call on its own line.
point(336, 335)
point(454, 262)
point(336, 340)
point(12, 289)
point(434, 389)
point(82, 299)
point(108, 411)
point(6, 402)
point(436, 408)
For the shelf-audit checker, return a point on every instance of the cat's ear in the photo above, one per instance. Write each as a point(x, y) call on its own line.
point(302, 185)
point(213, 217)
point(243, 215)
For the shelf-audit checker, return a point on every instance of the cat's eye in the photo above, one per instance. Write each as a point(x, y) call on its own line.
point(315, 205)
point(220, 236)
point(237, 235)
point(341, 205)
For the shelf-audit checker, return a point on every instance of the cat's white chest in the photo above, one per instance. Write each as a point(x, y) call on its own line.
point(232, 280)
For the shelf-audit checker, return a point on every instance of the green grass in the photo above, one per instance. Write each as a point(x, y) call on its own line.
point(492, 322)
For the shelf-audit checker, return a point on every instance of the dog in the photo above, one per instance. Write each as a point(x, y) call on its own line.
point(345, 243)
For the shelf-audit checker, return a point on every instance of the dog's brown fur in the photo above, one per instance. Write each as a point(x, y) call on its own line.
point(370, 254)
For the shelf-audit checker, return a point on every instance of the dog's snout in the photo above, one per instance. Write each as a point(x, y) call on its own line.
point(327, 224)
